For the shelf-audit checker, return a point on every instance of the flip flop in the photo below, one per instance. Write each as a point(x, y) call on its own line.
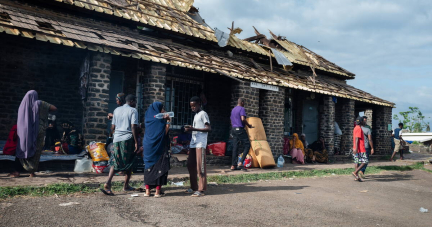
point(189, 191)
point(11, 175)
point(198, 194)
point(129, 189)
point(355, 176)
point(106, 192)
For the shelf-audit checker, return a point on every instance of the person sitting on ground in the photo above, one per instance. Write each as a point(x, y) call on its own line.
point(297, 150)
point(181, 144)
point(309, 154)
point(72, 140)
point(304, 141)
point(320, 153)
point(52, 136)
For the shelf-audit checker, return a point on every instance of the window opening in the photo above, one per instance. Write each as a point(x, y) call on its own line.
point(177, 96)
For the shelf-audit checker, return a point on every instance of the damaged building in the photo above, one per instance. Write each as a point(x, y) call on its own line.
point(78, 54)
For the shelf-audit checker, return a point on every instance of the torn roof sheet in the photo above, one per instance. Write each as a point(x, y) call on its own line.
point(281, 58)
point(303, 56)
point(109, 38)
point(169, 15)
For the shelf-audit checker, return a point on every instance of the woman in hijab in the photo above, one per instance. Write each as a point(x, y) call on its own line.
point(297, 149)
point(31, 126)
point(320, 153)
point(156, 156)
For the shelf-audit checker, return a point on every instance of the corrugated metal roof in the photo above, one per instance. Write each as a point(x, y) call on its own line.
point(301, 55)
point(105, 37)
point(281, 58)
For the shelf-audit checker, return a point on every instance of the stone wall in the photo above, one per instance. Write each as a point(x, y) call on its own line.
point(153, 83)
point(382, 116)
point(271, 111)
point(51, 70)
point(326, 122)
point(346, 124)
point(249, 94)
point(95, 120)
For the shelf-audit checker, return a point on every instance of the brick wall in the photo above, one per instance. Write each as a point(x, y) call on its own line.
point(382, 117)
point(271, 111)
point(346, 123)
point(95, 120)
point(249, 94)
point(326, 123)
point(51, 70)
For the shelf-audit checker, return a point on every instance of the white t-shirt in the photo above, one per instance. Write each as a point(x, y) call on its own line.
point(124, 117)
point(199, 139)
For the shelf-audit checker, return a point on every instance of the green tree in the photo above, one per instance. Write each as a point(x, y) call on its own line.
point(413, 119)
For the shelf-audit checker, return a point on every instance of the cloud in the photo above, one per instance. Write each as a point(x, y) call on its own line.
point(387, 44)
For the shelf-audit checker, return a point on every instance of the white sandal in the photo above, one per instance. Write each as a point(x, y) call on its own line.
point(198, 194)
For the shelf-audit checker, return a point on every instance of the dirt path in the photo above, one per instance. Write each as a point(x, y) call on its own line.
point(182, 172)
point(388, 199)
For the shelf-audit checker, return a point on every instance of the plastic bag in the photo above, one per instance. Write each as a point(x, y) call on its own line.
point(281, 161)
point(247, 163)
point(97, 152)
point(99, 169)
point(217, 149)
point(83, 165)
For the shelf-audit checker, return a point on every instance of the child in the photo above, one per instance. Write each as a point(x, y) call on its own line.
point(197, 155)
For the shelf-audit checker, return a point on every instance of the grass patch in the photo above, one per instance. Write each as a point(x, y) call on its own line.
point(67, 189)
point(246, 178)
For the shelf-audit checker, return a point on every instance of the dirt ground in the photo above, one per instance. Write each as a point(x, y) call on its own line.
point(177, 173)
point(387, 199)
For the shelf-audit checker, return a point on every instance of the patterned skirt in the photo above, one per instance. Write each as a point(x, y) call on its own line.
point(123, 155)
point(321, 157)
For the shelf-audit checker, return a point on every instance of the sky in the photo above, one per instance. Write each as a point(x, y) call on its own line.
point(386, 44)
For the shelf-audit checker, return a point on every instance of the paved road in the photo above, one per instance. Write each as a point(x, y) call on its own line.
point(388, 199)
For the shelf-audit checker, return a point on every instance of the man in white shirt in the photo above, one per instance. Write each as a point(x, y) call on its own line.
point(123, 126)
point(197, 155)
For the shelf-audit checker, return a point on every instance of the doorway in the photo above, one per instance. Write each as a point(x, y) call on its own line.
point(310, 120)
point(116, 86)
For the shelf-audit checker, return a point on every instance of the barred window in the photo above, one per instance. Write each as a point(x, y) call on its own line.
point(178, 93)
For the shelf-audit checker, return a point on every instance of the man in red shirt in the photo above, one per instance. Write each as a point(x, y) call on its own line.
point(359, 150)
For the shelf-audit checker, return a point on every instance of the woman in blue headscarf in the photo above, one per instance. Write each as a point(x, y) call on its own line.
point(156, 156)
